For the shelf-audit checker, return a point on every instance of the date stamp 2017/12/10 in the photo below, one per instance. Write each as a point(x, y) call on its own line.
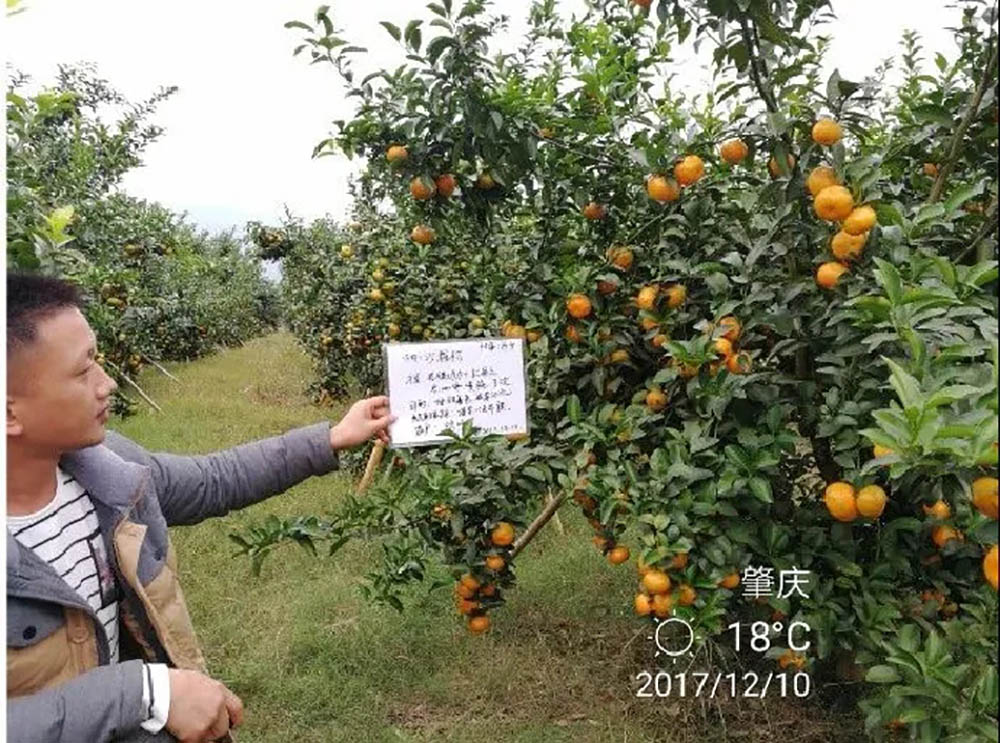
point(674, 639)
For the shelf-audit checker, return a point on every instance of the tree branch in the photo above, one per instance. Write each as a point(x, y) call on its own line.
point(956, 140)
point(541, 520)
point(988, 227)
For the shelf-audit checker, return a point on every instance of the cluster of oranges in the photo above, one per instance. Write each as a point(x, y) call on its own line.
point(833, 202)
point(474, 594)
point(604, 538)
point(425, 188)
point(659, 594)
point(664, 189)
point(847, 505)
point(725, 346)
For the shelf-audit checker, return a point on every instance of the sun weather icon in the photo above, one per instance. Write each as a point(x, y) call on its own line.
point(674, 638)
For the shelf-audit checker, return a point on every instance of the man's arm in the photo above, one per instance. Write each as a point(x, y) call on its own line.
point(194, 488)
point(104, 704)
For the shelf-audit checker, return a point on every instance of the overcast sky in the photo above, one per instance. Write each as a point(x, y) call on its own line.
point(241, 128)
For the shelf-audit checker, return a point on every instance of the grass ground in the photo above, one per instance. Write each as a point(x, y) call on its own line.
point(315, 663)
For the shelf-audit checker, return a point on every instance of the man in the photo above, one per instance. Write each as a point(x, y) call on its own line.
point(100, 646)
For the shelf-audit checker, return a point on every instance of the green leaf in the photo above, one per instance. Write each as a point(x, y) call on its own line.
point(761, 489)
point(963, 194)
point(393, 30)
point(906, 386)
point(928, 212)
point(882, 675)
point(889, 278)
point(932, 113)
point(299, 24)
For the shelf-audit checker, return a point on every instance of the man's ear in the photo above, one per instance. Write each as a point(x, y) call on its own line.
point(14, 427)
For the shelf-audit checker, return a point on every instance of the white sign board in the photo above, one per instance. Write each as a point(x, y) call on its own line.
point(439, 385)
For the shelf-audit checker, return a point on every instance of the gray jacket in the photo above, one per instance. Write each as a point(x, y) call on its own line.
point(137, 495)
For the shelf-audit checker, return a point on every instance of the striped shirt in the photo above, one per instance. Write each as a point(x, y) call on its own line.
point(66, 535)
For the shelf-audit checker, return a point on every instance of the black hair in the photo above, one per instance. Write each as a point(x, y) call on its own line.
point(32, 298)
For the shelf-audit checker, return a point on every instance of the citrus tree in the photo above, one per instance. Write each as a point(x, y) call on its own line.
point(157, 287)
point(760, 324)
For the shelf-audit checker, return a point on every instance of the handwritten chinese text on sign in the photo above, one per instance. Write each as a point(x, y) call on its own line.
point(439, 385)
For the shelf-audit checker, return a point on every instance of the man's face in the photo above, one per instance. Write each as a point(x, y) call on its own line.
point(57, 394)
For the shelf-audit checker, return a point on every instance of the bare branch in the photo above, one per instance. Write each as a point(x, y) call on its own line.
point(956, 140)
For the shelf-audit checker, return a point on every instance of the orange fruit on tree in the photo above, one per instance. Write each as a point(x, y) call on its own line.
point(846, 247)
point(734, 151)
point(834, 203)
point(860, 220)
point(662, 605)
point(463, 591)
point(930, 169)
point(479, 624)
point(422, 188)
point(488, 590)
point(656, 582)
point(604, 288)
point(502, 534)
point(940, 511)
point(723, 347)
point(396, 153)
point(686, 595)
point(676, 295)
point(496, 563)
point(841, 501)
point(642, 3)
point(984, 496)
point(465, 606)
point(828, 274)
point(594, 211)
point(643, 605)
point(423, 235)
point(941, 535)
point(791, 658)
point(646, 299)
point(533, 335)
point(775, 169)
point(990, 567)
point(515, 331)
point(731, 328)
point(731, 581)
point(871, 501)
point(679, 561)
point(578, 306)
point(689, 170)
point(572, 334)
point(618, 555)
point(621, 257)
point(739, 363)
point(600, 542)
point(662, 189)
point(619, 356)
point(821, 177)
point(656, 400)
point(827, 132)
point(470, 582)
point(445, 185)
point(648, 323)
point(659, 340)
point(879, 451)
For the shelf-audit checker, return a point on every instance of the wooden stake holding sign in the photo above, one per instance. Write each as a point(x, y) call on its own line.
point(438, 385)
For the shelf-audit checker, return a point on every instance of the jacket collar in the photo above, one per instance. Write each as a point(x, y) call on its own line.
point(109, 480)
point(107, 477)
